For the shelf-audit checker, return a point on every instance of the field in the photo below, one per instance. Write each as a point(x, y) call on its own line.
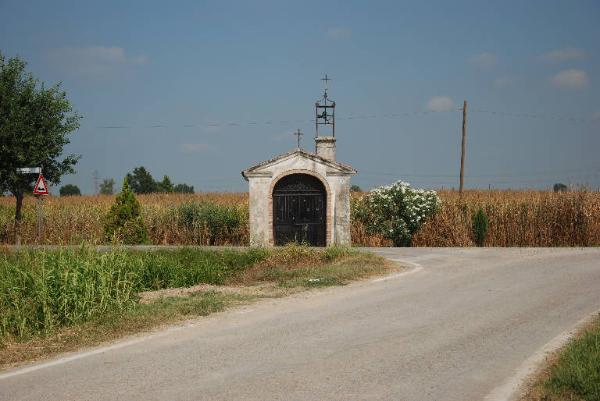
point(516, 218)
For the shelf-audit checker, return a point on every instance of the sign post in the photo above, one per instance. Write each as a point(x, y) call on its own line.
point(40, 189)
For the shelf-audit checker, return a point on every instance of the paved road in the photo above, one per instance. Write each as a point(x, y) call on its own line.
point(456, 327)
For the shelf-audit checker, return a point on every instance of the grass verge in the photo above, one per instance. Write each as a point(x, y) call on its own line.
point(114, 325)
point(61, 300)
point(573, 373)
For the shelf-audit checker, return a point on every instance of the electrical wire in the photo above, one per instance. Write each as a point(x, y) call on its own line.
point(544, 116)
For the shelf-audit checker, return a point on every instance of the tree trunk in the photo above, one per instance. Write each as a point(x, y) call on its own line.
point(18, 216)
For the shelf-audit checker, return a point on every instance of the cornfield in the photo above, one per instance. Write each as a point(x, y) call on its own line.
point(516, 218)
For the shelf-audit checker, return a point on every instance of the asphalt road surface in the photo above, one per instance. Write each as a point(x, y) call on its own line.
point(460, 324)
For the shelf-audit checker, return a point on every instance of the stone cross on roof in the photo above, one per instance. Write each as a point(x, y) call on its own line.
point(298, 134)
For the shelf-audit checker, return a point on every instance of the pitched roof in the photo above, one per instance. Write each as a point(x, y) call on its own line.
point(344, 168)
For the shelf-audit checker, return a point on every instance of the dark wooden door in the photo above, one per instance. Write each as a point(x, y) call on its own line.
point(299, 210)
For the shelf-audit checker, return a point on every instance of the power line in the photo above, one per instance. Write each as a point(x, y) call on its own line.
point(579, 171)
point(545, 116)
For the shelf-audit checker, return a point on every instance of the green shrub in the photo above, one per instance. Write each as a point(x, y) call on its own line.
point(480, 227)
point(560, 187)
point(124, 222)
point(395, 211)
point(211, 222)
point(188, 267)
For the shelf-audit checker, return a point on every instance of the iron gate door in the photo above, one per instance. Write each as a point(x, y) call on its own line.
point(299, 210)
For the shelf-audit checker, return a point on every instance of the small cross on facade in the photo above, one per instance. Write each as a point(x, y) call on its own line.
point(298, 134)
point(326, 79)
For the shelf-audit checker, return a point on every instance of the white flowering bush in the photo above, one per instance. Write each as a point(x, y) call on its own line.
point(395, 211)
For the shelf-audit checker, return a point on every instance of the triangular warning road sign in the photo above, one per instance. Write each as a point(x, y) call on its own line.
point(40, 186)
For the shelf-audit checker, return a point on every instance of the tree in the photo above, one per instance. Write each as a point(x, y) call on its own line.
point(479, 227)
point(165, 185)
point(141, 181)
point(355, 188)
point(35, 124)
point(560, 187)
point(124, 220)
point(69, 190)
point(107, 186)
point(184, 189)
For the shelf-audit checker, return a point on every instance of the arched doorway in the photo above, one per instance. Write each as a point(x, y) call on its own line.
point(299, 210)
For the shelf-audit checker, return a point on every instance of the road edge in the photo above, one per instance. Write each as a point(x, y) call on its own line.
point(514, 387)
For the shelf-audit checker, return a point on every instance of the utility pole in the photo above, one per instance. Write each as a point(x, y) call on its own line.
point(39, 190)
point(462, 152)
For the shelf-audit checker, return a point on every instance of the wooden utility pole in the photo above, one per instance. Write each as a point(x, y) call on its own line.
point(462, 150)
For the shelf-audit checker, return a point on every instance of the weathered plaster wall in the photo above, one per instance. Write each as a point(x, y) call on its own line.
point(325, 147)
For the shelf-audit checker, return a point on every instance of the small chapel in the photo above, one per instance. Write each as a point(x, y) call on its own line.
point(302, 196)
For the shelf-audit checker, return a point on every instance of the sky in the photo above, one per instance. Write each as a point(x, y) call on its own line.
point(200, 90)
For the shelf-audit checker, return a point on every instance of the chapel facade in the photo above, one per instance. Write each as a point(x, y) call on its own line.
point(301, 196)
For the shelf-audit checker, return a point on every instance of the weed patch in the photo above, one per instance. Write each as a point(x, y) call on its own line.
point(575, 372)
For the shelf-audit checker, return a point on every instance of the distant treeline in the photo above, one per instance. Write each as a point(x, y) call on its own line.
point(142, 182)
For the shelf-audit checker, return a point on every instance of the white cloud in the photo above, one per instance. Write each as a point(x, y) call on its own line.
point(561, 55)
point(503, 82)
point(338, 32)
point(93, 61)
point(484, 59)
point(195, 148)
point(570, 79)
point(440, 103)
point(596, 116)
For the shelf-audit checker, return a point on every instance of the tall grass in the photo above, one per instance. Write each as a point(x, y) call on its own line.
point(516, 218)
point(43, 290)
point(40, 291)
point(575, 375)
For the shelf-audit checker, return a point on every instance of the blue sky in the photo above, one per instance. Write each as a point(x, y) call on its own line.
point(200, 90)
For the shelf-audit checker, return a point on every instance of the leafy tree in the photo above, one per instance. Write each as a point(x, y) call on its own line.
point(165, 185)
point(184, 189)
point(69, 190)
point(35, 123)
point(141, 181)
point(355, 188)
point(124, 220)
point(560, 187)
point(107, 186)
